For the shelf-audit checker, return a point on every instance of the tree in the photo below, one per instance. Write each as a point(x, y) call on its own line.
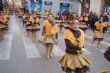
point(85, 6)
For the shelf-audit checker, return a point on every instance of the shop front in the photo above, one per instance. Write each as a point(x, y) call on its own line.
point(48, 5)
point(64, 7)
point(36, 5)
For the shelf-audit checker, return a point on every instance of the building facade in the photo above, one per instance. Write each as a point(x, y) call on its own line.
point(63, 6)
point(106, 6)
point(100, 6)
point(57, 5)
point(95, 6)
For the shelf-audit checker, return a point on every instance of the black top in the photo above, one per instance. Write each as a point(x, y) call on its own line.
point(71, 48)
point(76, 33)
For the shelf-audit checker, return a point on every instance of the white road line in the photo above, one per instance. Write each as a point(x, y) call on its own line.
point(5, 47)
point(106, 38)
point(60, 37)
point(57, 51)
point(105, 35)
point(86, 51)
point(103, 42)
point(101, 50)
point(30, 48)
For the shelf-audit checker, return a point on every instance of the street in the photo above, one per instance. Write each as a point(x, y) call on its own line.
point(20, 54)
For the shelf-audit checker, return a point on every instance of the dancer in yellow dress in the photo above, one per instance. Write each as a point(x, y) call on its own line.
point(98, 33)
point(29, 25)
point(2, 26)
point(74, 60)
point(83, 22)
point(50, 30)
point(35, 26)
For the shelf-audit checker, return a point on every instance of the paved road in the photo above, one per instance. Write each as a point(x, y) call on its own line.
point(19, 54)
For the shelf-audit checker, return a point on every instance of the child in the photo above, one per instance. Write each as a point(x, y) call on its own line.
point(74, 60)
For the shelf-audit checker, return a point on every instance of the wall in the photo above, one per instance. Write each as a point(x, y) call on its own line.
point(55, 5)
point(74, 5)
point(95, 6)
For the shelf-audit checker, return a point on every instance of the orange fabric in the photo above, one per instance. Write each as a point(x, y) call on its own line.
point(0, 18)
point(31, 19)
point(69, 35)
point(4, 18)
point(36, 20)
point(99, 26)
point(49, 29)
point(83, 18)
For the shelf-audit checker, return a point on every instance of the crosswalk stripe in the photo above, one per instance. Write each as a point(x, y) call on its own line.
point(100, 50)
point(103, 42)
point(106, 37)
point(86, 51)
point(5, 47)
point(30, 48)
point(61, 38)
point(57, 51)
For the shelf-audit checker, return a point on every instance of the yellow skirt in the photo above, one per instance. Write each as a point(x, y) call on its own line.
point(47, 39)
point(74, 61)
point(105, 71)
point(83, 26)
point(98, 34)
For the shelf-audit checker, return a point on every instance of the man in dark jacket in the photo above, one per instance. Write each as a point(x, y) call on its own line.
point(94, 18)
point(105, 17)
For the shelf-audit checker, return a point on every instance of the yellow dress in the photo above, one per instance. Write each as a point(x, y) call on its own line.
point(98, 33)
point(50, 32)
point(73, 61)
point(29, 23)
point(83, 24)
point(105, 71)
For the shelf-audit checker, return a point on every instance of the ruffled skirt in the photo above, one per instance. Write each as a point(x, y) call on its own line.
point(97, 35)
point(47, 39)
point(73, 62)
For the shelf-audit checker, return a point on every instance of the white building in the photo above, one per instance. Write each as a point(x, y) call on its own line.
point(62, 5)
point(95, 6)
point(100, 6)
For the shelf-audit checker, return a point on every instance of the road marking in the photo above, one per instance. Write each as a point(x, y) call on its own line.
point(5, 47)
point(61, 37)
point(103, 42)
point(57, 51)
point(101, 50)
point(30, 48)
point(86, 51)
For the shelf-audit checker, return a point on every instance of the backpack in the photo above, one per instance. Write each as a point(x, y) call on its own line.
point(107, 54)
